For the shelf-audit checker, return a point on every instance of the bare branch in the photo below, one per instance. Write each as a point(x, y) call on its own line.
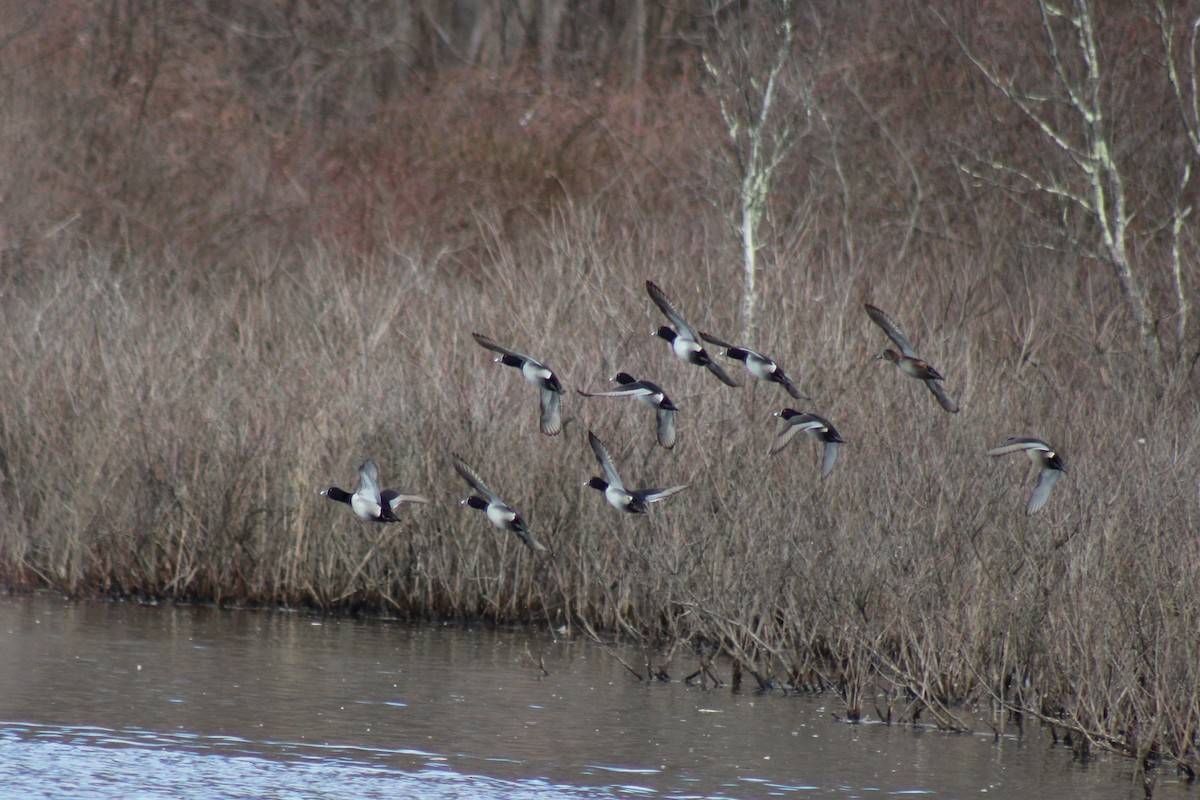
point(1053, 189)
point(1104, 198)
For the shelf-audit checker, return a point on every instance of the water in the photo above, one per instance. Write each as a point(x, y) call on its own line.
point(102, 700)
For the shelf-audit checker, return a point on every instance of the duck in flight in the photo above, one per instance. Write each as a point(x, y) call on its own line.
point(760, 366)
point(632, 501)
point(368, 502)
point(650, 394)
point(815, 426)
point(538, 375)
point(683, 338)
point(907, 359)
point(1049, 464)
point(497, 511)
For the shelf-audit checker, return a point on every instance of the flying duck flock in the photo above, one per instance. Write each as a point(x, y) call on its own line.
point(370, 503)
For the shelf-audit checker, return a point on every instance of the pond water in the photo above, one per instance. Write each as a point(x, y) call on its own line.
point(117, 700)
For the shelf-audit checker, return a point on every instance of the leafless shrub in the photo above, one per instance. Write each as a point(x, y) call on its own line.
point(166, 436)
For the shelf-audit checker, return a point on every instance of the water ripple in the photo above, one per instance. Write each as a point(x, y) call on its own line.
point(91, 763)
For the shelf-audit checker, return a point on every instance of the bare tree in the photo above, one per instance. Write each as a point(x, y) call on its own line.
point(765, 104)
point(1075, 114)
point(1186, 91)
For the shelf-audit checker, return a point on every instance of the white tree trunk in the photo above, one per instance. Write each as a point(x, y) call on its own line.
point(761, 140)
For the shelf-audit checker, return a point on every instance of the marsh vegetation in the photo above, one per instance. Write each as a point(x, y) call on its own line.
point(222, 291)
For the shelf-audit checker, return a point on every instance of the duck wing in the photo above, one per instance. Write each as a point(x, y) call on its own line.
point(708, 337)
point(786, 382)
point(891, 329)
point(606, 461)
point(490, 344)
point(944, 399)
point(801, 422)
point(635, 389)
point(654, 495)
point(830, 456)
point(1019, 444)
point(790, 428)
point(666, 426)
point(1041, 490)
point(394, 498)
point(522, 532)
point(551, 411)
point(475, 482)
point(716, 369)
point(368, 481)
point(668, 310)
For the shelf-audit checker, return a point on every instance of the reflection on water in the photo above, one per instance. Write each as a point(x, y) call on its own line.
point(104, 700)
point(63, 763)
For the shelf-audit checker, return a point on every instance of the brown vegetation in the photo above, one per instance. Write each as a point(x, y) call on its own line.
point(221, 293)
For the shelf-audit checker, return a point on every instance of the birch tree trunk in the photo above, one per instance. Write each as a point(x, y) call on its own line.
point(761, 134)
point(1084, 139)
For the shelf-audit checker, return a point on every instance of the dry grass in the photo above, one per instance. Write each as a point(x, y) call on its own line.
point(166, 435)
point(183, 375)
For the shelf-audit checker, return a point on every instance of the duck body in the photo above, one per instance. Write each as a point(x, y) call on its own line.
point(631, 501)
point(362, 508)
point(647, 393)
point(917, 368)
point(369, 503)
point(907, 360)
point(499, 513)
point(537, 375)
point(635, 501)
point(815, 426)
point(687, 350)
point(685, 343)
point(1049, 463)
point(758, 365)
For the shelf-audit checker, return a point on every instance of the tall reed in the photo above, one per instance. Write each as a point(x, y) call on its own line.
point(165, 434)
